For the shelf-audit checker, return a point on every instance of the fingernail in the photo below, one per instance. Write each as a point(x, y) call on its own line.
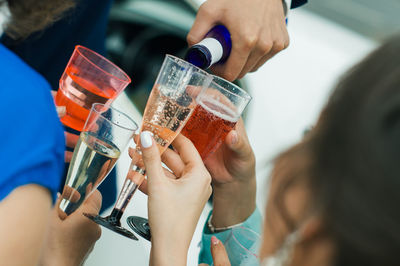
point(61, 109)
point(145, 139)
point(58, 195)
point(235, 137)
point(214, 240)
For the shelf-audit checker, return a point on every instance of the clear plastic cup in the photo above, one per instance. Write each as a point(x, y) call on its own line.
point(88, 78)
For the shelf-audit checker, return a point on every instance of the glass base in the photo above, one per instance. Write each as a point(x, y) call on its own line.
point(140, 225)
point(112, 224)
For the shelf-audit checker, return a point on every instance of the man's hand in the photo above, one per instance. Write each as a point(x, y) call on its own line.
point(232, 168)
point(257, 27)
point(70, 241)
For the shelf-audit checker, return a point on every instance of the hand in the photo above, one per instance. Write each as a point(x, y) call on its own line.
point(232, 168)
point(218, 252)
point(257, 27)
point(176, 199)
point(71, 139)
point(70, 241)
point(234, 160)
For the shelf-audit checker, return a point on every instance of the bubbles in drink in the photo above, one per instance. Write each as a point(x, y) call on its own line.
point(209, 125)
point(165, 117)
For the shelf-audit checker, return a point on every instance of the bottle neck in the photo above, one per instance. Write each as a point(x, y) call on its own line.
point(221, 33)
point(214, 47)
point(205, 53)
point(199, 56)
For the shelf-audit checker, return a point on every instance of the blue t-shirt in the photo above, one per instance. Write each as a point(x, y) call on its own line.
point(48, 53)
point(31, 136)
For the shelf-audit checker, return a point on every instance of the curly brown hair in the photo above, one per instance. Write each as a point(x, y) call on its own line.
point(28, 16)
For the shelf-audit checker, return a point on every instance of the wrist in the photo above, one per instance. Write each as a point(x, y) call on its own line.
point(51, 257)
point(161, 255)
point(53, 261)
point(233, 202)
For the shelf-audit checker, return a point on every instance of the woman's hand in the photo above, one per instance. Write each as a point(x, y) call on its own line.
point(234, 160)
point(232, 168)
point(257, 27)
point(70, 139)
point(218, 252)
point(70, 241)
point(176, 199)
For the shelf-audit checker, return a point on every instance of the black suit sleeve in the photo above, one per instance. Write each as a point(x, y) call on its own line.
point(297, 3)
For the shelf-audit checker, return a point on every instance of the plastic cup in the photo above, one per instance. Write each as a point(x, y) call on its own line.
point(88, 78)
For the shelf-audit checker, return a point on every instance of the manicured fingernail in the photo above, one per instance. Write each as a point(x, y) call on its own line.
point(235, 137)
point(58, 195)
point(214, 240)
point(145, 139)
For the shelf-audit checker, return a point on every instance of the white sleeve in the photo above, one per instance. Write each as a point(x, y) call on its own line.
point(4, 17)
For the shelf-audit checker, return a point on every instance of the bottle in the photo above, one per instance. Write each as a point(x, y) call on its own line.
point(214, 48)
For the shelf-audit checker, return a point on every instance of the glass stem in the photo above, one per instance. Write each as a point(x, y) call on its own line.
point(126, 194)
point(132, 182)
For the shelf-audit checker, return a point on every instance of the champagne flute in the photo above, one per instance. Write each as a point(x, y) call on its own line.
point(171, 102)
point(219, 108)
point(105, 135)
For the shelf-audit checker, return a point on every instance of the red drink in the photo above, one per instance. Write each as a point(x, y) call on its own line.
point(88, 78)
point(78, 95)
point(208, 126)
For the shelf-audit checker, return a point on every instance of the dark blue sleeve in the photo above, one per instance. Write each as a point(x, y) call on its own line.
point(48, 51)
point(297, 3)
point(31, 136)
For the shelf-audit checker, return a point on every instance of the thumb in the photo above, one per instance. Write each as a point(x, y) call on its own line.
point(61, 111)
point(218, 252)
point(92, 204)
point(238, 144)
point(151, 156)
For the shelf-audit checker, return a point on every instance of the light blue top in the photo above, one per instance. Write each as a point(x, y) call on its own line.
point(31, 135)
point(254, 222)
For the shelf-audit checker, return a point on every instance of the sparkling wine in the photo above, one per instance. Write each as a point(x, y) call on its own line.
point(93, 159)
point(78, 95)
point(208, 126)
point(167, 110)
point(165, 116)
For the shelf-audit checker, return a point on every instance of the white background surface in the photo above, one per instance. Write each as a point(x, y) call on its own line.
point(288, 93)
